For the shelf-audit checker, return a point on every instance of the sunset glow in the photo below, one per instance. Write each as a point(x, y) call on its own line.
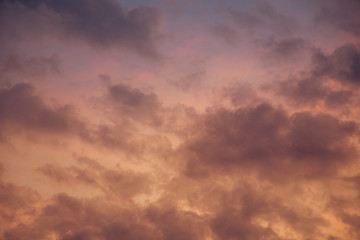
point(179, 120)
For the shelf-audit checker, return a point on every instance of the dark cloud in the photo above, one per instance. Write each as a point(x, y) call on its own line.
point(22, 108)
point(125, 184)
point(238, 94)
point(14, 199)
point(105, 79)
point(56, 173)
point(189, 81)
point(102, 24)
point(278, 145)
point(112, 182)
point(177, 224)
point(20, 105)
point(250, 167)
point(306, 91)
point(236, 224)
point(339, 99)
point(342, 15)
point(226, 33)
point(283, 49)
point(265, 17)
point(132, 103)
point(342, 66)
point(241, 209)
point(16, 66)
point(246, 19)
point(71, 218)
point(352, 220)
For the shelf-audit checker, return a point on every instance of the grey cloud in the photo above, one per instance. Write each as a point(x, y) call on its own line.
point(134, 104)
point(343, 15)
point(189, 81)
point(342, 66)
point(20, 105)
point(282, 49)
point(308, 90)
point(16, 66)
point(353, 220)
point(225, 32)
point(339, 98)
point(102, 24)
point(14, 198)
point(277, 145)
point(183, 225)
point(265, 17)
point(71, 218)
point(112, 182)
point(236, 218)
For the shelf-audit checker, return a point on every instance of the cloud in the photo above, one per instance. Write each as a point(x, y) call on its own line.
point(189, 81)
point(70, 218)
point(22, 108)
point(276, 144)
point(308, 90)
point(339, 99)
point(177, 224)
point(102, 24)
point(332, 79)
point(116, 182)
point(265, 17)
point(342, 64)
point(353, 221)
point(245, 213)
point(342, 15)
point(134, 104)
point(14, 201)
point(20, 105)
point(16, 66)
point(225, 32)
point(283, 49)
point(274, 162)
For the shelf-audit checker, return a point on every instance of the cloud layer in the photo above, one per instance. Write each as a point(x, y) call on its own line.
point(246, 129)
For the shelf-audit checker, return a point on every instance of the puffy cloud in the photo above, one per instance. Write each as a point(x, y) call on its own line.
point(226, 33)
point(14, 201)
point(102, 24)
point(70, 218)
point(112, 182)
point(248, 166)
point(265, 16)
point(16, 66)
point(20, 105)
point(284, 48)
point(189, 81)
point(134, 104)
point(342, 15)
point(177, 224)
point(343, 64)
point(268, 139)
point(332, 79)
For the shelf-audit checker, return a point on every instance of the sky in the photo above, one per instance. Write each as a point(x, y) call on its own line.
point(179, 120)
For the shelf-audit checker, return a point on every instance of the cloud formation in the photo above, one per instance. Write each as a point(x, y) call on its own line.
point(252, 137)
point(103, 24)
